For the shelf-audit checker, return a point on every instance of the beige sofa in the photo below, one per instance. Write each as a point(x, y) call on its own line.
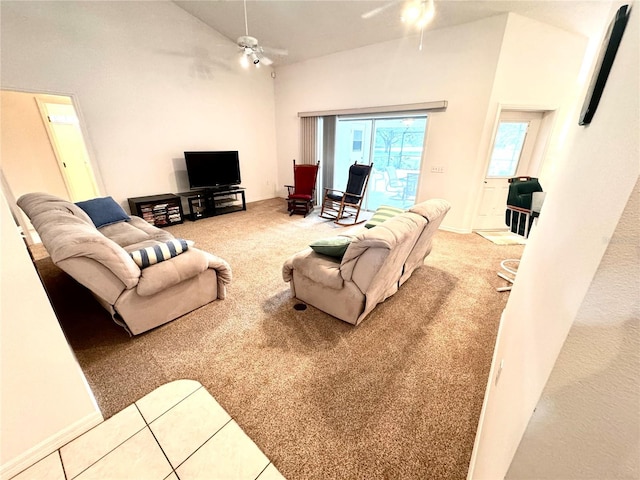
point(375, 264)
point(98, 258)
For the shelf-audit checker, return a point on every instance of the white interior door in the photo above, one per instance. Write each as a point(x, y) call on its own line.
point(66, 138)
point(511, 156)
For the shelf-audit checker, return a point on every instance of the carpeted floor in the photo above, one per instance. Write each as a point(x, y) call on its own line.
point(503, 237)
point(397, 397)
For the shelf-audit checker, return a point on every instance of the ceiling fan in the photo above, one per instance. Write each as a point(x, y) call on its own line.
point(416, 13)
point(380, 9)
point(251, 50)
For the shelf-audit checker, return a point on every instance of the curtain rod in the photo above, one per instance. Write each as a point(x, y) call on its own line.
point(440, 105)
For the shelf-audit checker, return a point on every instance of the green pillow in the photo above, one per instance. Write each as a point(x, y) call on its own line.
point(384, 212)
point(333, 247)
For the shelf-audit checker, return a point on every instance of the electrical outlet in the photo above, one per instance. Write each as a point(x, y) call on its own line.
point(437, 169)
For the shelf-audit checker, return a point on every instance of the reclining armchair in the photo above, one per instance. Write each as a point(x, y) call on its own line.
point(132, 268)
point(376, 262)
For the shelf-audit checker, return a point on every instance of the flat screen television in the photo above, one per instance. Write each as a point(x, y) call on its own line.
point(604, 62)
point(212, 169)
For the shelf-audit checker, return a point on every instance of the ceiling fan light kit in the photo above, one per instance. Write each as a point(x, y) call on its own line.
point(251, 51)
point(249, 48)
point(244, 61)
point(418, 13)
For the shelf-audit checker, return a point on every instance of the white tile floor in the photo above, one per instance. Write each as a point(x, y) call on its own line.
point(177, 432)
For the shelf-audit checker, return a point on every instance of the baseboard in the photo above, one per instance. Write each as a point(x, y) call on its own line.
point(454, 230)
point(48, 446)
point(485, 403)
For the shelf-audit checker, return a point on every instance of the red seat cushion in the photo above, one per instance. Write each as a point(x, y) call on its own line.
point(299, 196)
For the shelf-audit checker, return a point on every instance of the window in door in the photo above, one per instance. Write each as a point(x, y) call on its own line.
point(507, 149)
point(394, 144)
point(511, 156)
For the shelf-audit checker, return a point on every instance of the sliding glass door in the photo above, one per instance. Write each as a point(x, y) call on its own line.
point(393, 144)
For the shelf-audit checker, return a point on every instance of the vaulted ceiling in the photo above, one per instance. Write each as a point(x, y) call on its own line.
point(312, 28)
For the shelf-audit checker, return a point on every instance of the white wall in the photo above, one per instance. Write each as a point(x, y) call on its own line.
point(149, 81)
point(538, 70)
point(26, 156)
point(562, 256)
point(587, 422)
point(44, 400)
point(475, 66)
point(456, 64)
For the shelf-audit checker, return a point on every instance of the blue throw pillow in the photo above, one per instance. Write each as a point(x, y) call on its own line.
point(148, 256)
point(103, 211)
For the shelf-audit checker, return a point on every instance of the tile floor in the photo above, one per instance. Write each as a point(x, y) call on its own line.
point(176, 432)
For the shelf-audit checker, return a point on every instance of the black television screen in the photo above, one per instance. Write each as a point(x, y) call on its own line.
point(604, 62)
point(212, 169)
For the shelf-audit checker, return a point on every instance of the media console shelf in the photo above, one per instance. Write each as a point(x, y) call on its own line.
point(158, 210)
point(211, 202)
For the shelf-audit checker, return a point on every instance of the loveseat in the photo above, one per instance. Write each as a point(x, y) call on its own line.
point(376, 262)
point(138, 298)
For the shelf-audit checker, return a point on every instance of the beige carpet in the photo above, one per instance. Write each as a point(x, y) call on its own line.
point(397, 397)
point(503, 237)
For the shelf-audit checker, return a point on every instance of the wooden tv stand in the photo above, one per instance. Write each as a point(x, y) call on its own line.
point(210, 202)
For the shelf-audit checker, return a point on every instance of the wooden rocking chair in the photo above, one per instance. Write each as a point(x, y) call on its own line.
point(302, 192)
point(339, 205)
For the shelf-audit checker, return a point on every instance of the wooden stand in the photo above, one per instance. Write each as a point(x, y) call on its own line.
point(209, 202)
point(159, 210)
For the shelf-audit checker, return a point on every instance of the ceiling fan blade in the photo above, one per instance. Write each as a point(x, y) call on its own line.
point(266, 60)
point(275, 51)
point(376, 11)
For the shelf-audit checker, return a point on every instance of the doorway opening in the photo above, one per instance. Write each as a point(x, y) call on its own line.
point(516, 151)
point(43, 150)
point(63, 128)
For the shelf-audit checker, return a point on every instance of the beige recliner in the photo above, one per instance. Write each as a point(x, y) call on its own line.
point(138, 299)
point(375, 264)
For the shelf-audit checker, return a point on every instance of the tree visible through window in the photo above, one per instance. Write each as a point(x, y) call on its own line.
point(507, 149)
point(393, 145)
point(398, 142)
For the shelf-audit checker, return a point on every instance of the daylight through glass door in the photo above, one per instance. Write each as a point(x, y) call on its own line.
point(393, 145)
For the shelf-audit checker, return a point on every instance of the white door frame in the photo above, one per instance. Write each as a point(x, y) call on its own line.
point(99, 185)
point(539, 150)
point(53, 140)
point(20, 216)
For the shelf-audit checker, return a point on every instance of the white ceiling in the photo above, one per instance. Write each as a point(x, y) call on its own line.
point(312, 28)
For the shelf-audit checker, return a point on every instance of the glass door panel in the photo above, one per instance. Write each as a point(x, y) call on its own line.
point(393, 145)
point(397, 156)
point(507, 149)
point(511, 156)
point(353, 144)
